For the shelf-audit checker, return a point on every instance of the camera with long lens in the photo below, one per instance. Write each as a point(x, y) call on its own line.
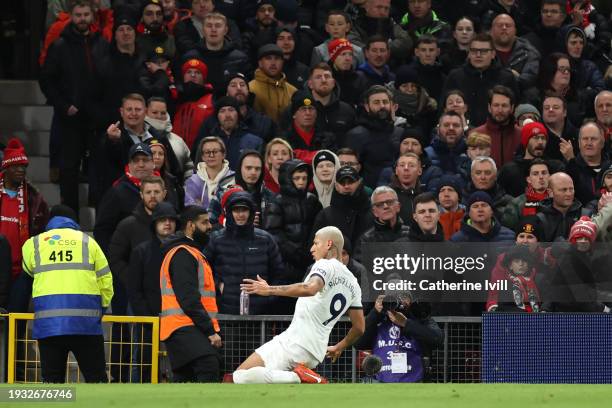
point(418, 309)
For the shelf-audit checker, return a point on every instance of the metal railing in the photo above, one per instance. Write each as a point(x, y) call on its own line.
point(458, 360)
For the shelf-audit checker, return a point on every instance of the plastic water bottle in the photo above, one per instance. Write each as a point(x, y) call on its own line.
point(244, 303)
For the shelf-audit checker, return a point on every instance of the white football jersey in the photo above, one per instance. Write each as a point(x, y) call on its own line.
point(315, 316)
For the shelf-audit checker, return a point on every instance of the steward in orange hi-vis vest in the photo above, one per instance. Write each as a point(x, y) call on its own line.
point(172, 316)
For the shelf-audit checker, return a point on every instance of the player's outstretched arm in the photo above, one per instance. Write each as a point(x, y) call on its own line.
point(260, 287)
point(357, 330)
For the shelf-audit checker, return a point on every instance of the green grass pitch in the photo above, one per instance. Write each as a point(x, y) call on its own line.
point(332, 395)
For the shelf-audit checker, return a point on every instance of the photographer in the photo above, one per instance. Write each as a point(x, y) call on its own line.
point(400, 332)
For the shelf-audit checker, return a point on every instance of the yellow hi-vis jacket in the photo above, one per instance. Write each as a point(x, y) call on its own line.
point(72, 285)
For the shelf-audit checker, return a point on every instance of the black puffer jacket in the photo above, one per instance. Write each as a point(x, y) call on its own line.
point(376, 142)
point(237, 252)
point(382, 232)
point(349, 213)
point(289, 218)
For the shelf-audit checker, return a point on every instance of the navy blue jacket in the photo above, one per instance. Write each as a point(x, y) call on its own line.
point(238, 252)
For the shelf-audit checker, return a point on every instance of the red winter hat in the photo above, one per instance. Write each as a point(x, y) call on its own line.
point(14, 153)
point(337, 46)
point(530, 130)
point(584, 227)
point(197, 64)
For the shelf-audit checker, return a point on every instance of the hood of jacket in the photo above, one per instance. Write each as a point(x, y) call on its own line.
point(71, 35)
point(324, 191)
point(203, 175)
point(441, 147)
point(470, 231)
point(285, 178)
point(62, 222)
point(239, 197)
point(238, 175)
point(177, 239)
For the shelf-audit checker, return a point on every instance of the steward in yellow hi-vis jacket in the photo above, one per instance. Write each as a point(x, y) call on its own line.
point(72, 287)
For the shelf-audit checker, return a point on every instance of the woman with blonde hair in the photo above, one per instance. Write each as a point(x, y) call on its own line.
point(278, 151)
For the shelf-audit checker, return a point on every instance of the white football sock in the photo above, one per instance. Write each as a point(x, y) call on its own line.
point(263, 375)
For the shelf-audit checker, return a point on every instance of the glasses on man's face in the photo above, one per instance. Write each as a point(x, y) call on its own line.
point(348, 163)
point(383, 204)
point(480, 51)
point(564, 70)
point(211, 153)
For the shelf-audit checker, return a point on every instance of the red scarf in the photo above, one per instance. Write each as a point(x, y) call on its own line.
point(306, 136)
point(134, 180)
point(533, 200)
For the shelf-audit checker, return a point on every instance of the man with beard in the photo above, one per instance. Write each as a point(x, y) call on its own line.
point(534, 139)
point(480, 73)
point(219, 54)
point(376, 21)
point(296, 71)
point(535, 192)
point(375, 68)
point(231, 130)
point(447, 149)
point(515, 53)
point(554, 116)
point(333, 115)
point(260, 29)
point(188, 324)
point(587, 167)
point(603, 111)
point(256, 123)
point(388, 225)
point(152, 32)
point(195, 102)
point(500, 125)
point(270, 87)
point(68, 80)
point(375, 139)
point(240, 251)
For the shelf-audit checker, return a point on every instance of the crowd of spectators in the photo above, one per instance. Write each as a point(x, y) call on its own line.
point(413, 120)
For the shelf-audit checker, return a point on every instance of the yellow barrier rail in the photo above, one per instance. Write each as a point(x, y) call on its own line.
point(13, 341)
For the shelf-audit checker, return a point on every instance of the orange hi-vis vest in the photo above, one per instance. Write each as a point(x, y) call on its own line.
point(172, 316)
